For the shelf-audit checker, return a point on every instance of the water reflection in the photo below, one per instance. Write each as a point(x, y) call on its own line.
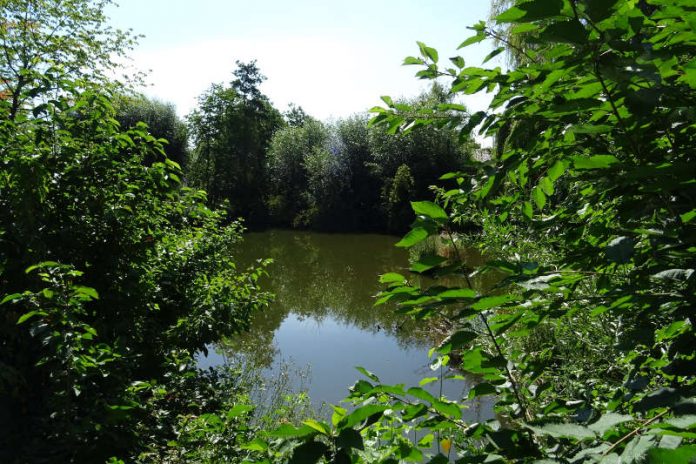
point(322, 276)
point(323, 314)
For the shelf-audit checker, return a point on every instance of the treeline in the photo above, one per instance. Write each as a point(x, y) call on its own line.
point(291, 170)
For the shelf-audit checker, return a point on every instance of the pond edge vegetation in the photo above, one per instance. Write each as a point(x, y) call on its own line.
point(113, 273)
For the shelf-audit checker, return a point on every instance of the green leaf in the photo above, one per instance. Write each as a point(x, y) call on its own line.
point(429, 210)
point(289, 431)
point(459, 339)
point(482, 389)
point(474, 39)
point(594, 162)
point(308, 453)
point(86, 293)
point(350, 438)
point(564, 431)
point(411, 60)
point(428, 52)
point(12, 297)
point(681, 455)
point(392, 277)
point(427, 380)
point(599, 10)
point(539, 198)
point(41, 265)
point(256, 444)
point(238, 410)
point(360, 414)
point(546, 186)
point(556, 171)
point(688, 217)
point(608, 421)
point(669, 332)
point(448, 409)
point(531, 11)
point(591, 129)
point(493, 301)
point(338, 414)
point(26, 316)
point(421, 394)
point(427, 263)
point(566, 31)
point(458, 293)
point(414, 236)
point(414, 411)
point(510, 15)
point(458, 61)
point(318, 426)
point(527, 209)
point(524, 28)
point(388, 100)
point(367, 373)
point(409, 453)
point(493, 54)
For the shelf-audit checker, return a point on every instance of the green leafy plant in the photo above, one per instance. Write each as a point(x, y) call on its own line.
point(112, 273)
point(588, 352)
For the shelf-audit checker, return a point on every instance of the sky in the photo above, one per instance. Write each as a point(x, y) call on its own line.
point(333, 58)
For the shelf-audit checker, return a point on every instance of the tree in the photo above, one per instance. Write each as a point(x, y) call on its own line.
point(428, 152)
point(362, 194)
point(44, 41)
point(162, 122)
point(289, 171)
point(295, 116)
point(397, 196)
point(231, 131)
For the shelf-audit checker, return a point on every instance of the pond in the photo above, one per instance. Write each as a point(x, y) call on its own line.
point(323, 318)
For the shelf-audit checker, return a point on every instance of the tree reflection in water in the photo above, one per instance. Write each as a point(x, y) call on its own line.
point(324, 313)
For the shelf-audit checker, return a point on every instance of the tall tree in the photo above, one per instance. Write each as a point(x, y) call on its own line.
point(231, 130)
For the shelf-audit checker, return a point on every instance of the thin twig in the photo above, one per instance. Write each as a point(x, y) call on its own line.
point(634, 432)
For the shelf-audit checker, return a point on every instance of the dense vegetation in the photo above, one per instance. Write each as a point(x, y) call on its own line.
point(587, 214)
point(114, 273)
point(292, 170)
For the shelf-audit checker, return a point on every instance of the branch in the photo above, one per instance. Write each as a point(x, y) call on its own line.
point(634, 432)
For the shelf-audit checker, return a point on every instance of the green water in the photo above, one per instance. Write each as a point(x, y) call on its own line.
point(323, 316)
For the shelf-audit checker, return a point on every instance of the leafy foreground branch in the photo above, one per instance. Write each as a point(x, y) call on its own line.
point(588, 351)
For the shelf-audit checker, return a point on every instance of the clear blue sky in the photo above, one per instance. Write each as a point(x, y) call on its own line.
point(333, 58)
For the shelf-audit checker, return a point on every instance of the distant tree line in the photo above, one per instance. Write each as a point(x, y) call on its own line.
point(289, 169)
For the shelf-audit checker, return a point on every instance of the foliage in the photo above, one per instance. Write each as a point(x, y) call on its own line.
point(295, 116)
point(609, 179)
point(288, 160)
point(231, 130)
point(348, 176)
point(112, 274)
point(44, 41)
point(162, 122)
point(397, 195)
